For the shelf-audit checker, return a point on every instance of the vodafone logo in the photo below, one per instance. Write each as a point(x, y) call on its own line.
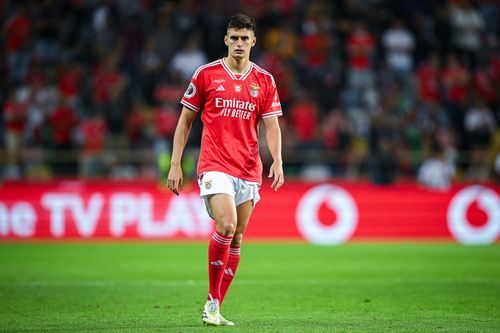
point(338, 200)
point(466, 233)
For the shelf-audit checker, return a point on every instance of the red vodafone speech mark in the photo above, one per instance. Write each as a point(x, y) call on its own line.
point(340, 202)
point(461, 208)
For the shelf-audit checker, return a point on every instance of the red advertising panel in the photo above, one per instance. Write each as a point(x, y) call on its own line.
point(321, 213)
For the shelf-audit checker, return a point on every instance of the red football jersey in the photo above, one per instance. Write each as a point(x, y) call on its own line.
point(232, 106)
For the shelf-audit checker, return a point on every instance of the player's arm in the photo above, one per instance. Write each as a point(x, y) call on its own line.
point(273, 140)
point(175, 179)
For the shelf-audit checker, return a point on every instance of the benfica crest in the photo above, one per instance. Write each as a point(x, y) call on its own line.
point(254, 89)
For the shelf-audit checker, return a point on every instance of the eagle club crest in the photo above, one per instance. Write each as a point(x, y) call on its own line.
point(254, 89)
point(208, 184)
point(237, 88)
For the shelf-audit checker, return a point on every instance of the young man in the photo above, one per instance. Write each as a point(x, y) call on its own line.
point(233, 95)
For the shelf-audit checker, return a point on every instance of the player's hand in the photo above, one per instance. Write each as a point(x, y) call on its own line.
point(175, 180)
point(276, 172)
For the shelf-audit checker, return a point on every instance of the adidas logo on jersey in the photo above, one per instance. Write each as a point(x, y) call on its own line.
point(220, 88)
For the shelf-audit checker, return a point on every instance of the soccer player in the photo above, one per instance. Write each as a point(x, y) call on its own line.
point(232, 94)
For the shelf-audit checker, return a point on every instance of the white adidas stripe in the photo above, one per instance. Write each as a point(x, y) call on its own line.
point(217, 263)
point(221, 240)
point(234, 251)
point(270, 114)
point(190, 106)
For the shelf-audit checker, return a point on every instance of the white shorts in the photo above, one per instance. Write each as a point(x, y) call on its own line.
point(215, 182)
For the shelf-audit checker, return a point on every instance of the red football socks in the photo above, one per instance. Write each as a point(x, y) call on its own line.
point(218, 252)
point(229, 271)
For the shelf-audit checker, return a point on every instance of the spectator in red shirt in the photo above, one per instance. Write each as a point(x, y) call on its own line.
point(428, 76)
point(165, 119)
point(316, 39)
point(92, 132)
point(14, 114)
point(17, 32)
point(134, 126)
point(483, 79)
point(107, 81)
point(110, 96)
point(456, 79)
point(360, 48)
point(68, 81)
point(63, 121)
point(305, 119)
point(336, 135)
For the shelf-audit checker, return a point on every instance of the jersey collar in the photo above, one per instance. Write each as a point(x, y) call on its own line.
point(237, 76)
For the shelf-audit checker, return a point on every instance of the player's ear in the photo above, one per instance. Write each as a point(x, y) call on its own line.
point(254, 40)
point(226, 40)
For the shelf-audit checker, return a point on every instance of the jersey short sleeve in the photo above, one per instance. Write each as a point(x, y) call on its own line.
point(272, 106)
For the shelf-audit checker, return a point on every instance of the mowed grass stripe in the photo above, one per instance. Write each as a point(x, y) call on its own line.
point(141, 287)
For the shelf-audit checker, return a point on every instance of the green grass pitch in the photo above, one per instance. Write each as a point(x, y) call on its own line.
point(280, 287)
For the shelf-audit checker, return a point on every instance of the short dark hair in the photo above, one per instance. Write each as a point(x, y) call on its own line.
point(241, 21)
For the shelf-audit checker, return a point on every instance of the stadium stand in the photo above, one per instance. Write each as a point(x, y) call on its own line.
point(371, 89)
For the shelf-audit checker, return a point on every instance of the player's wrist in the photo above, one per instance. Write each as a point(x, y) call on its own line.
point(175, 164)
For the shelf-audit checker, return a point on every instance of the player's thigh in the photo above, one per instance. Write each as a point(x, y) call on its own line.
point(244, 212)
point(223, 209)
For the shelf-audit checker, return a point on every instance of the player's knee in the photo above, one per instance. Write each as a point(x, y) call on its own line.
point(226, 228)
point(237, 239)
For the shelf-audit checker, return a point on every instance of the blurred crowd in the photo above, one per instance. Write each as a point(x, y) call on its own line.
point(376, 89)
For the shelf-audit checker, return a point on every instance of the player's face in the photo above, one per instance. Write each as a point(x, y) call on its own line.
point(239, 43)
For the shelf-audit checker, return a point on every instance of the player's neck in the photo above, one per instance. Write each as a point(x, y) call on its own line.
point(237, 66)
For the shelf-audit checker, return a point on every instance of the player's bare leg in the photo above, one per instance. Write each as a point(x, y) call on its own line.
point(225, 213)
